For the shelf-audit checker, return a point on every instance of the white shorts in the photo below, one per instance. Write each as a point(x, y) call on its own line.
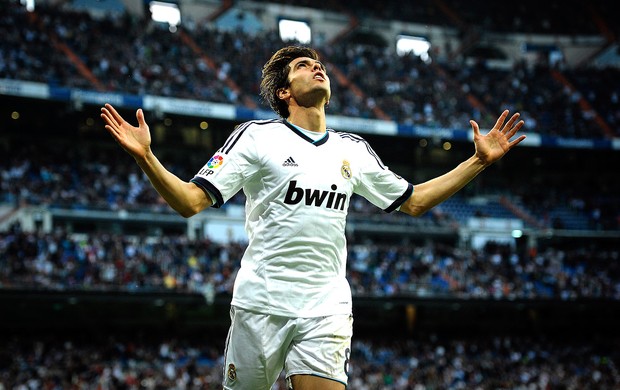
point(259, 346)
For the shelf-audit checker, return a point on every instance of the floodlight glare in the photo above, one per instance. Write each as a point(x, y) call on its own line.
point(165, 12)
point(295, 30)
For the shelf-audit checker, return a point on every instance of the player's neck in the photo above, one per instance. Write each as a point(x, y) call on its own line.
point(312, 119)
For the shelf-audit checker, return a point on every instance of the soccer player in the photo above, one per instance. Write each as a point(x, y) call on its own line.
point(291, 304)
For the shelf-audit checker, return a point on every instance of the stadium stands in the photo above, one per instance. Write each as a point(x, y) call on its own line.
point(148, 362)
point(118, 54)
point(566, 201)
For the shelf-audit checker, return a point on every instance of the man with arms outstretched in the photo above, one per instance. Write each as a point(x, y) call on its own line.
point(291, 304)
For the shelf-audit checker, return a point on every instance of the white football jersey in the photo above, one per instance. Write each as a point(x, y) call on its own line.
point(297, 195)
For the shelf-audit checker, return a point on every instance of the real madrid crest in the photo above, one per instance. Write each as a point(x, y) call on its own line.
point(346, 170)
point(232, 372)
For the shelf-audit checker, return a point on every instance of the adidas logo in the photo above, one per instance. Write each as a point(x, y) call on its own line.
point(289, 162)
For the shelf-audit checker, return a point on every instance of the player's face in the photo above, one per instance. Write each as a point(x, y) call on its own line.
point(308, 80)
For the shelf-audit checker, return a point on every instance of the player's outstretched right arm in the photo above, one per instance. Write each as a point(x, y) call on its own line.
point(184, 197)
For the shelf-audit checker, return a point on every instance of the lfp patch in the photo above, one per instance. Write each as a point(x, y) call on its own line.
point(215, 161)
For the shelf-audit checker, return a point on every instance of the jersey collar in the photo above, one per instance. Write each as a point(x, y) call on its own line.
point(300, 133)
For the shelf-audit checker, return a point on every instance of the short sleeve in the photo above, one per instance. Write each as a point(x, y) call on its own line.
point(230, 167)
point(379, 185)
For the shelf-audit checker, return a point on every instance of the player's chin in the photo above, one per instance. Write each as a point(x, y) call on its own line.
point(322, 93)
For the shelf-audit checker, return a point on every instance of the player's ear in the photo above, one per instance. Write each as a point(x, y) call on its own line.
point(283, 93)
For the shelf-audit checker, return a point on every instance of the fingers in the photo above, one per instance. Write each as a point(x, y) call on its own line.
point(110, 123)
point(500, 120)
point(515, 142)
point(113, 120)
point(511, 121)
point(475, 127)
point(114, 114)
point(110, 116)
point(513, 130)
point(510, 128)
point(140, 117)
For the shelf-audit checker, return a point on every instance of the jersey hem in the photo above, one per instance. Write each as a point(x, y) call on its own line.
point(209, 188)
point(261, 309)
point(398, 202)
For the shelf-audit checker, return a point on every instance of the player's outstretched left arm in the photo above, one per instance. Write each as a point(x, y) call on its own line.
point(489, 147)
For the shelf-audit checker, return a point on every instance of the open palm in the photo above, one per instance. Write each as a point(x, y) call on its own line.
point(135, 140)
point(492, 146)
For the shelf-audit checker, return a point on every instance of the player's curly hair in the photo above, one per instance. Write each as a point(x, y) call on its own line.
point(275, 75)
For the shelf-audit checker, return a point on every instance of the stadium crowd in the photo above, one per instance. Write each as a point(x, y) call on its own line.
point(63, 176)
point(433, 362)
point(58, 177)
point(144, 58)
point(552, 17)
point(109, 262)
point(122, 55)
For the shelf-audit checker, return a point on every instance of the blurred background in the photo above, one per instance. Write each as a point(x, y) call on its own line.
point(514, 283)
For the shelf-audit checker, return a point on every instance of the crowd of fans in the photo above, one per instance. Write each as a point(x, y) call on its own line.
point(27, 53)
point(145, 58)
point(109, 262)
point(139, 58)
point(600, 88)
point(544, 101)
point(63, 176)
point(553, 17)
point(507, 362)
point(49, 179)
